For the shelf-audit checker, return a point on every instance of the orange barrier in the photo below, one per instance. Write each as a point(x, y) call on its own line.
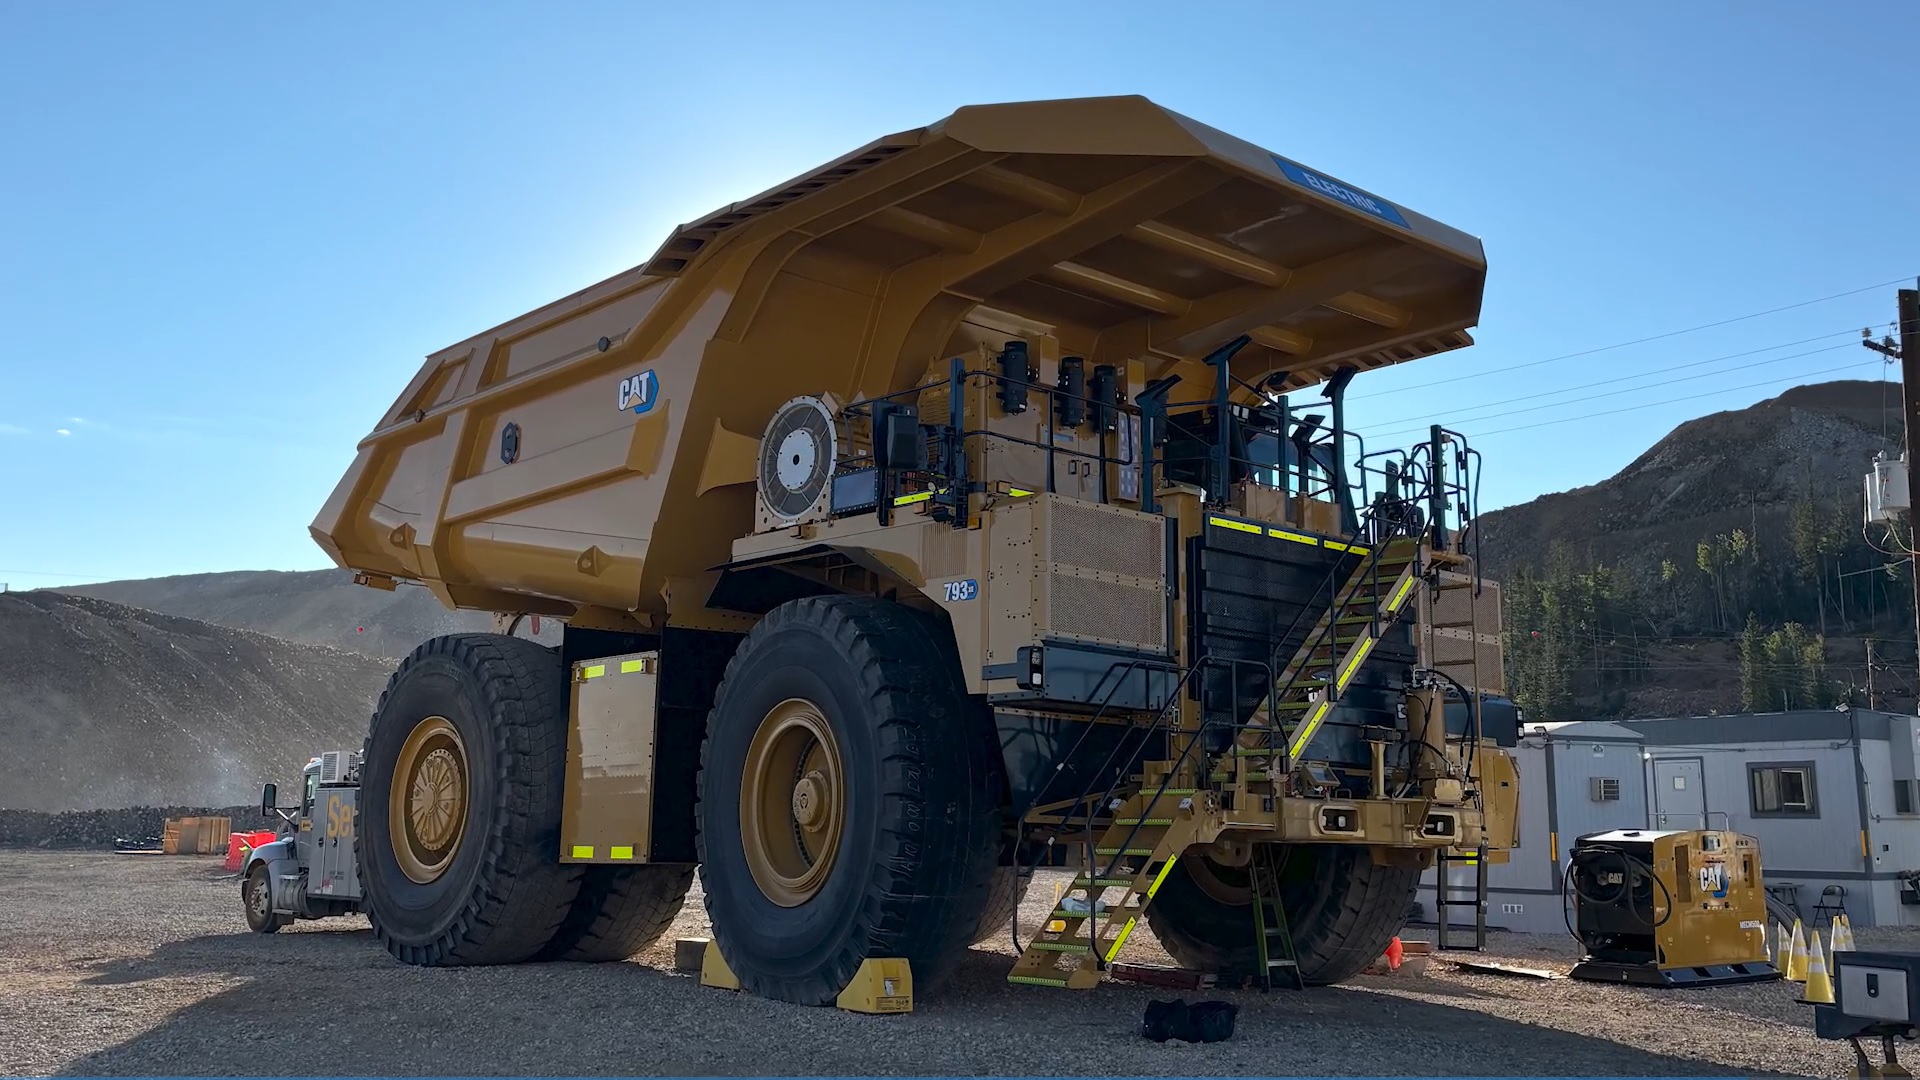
point(241, 843)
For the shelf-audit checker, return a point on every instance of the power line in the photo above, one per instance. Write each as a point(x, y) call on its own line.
point(1639, 389)
point(1636, 341)
point(1671, 401)
point(1644, 374)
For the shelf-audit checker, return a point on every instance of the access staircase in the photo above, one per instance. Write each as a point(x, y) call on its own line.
point(1132, 857)
point(1368, 605)
point(1149, 830)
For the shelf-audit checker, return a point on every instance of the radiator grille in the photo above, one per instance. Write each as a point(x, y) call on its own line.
point(1112, 542)
point(1095, 609)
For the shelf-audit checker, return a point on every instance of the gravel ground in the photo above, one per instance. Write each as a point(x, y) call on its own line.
point(121, 964)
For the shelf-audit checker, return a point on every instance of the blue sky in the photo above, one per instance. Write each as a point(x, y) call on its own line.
point(229, 233)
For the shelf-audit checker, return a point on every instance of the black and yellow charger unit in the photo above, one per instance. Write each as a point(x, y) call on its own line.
point(1668, 908)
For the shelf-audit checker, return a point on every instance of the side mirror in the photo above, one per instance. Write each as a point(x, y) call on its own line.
point(269, 798)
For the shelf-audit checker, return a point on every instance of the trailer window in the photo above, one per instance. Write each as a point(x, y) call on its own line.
point(1783, 790)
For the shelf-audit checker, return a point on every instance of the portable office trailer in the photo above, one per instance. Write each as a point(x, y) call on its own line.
point(1831, 794)
point(1575, 778)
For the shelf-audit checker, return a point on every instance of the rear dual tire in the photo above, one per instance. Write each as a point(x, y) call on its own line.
point(459, 829)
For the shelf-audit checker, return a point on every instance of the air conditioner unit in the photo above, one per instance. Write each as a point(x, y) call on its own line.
point(1605, 788)
point(335, 765)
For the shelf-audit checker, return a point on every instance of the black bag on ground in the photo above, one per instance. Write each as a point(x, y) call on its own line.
point(1212, 1021)
point(1201, 1022)
point(1166, 1020)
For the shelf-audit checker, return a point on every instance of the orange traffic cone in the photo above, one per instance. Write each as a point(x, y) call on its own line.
point(1395, 953)
point(1819, 987)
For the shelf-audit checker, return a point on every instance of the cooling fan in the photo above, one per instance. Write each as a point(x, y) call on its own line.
point(797, 458)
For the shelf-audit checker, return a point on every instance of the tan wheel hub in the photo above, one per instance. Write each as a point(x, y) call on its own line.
point(792, 802)
point(427, 806)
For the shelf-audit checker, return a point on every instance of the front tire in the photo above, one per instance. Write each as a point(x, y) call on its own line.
point(1342, 909)
point(849, 800)
point(459, 831)
point(256, 898)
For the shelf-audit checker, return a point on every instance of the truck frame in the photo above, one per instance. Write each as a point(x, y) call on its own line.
point(963, 506)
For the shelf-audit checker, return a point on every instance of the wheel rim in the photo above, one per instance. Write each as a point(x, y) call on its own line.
point(427, 806)
point(792, 802)
point(259, 897)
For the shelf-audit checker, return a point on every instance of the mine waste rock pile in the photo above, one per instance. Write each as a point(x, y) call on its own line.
point(104, 705)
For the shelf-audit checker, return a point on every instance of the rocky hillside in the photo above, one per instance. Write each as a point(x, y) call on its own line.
point(109, 706)
point(1741, 469)
point(319, 607)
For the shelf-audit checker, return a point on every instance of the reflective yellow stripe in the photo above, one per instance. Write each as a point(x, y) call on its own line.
point(1128, 929)
point(1553, 847)
point(1237, 526)
point(1307, 729)
point(1338, 546)
point(1863, 844)
point(1400, 595)
point(1019, 493)
point(1359, 654)
point(628, 667)
point(581, 852)
point(594, 671)
point(906, 500)
point(622, 853)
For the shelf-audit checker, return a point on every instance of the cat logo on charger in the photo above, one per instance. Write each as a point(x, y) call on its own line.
point(639, 392)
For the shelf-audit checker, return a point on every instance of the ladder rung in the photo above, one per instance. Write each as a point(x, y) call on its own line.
point(1281, 964)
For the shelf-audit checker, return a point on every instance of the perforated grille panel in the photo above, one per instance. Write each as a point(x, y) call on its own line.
point(1115, 543)
point(1084, 607)
point(1463, 634)
point(1102, 574)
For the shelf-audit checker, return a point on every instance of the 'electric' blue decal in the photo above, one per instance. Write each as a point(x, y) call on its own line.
point(962, 590)
point(638, 393)
point(1339, 192)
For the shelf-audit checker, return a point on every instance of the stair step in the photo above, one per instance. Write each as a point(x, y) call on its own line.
point(1123, 851)
point(1060, 947)
point(1035, 980)
point(1277, 963)
point(1152, 821)
point(1252, 778)
point(1102, 883)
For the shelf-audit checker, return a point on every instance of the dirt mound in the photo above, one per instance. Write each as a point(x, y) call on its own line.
point(111, 706)
point(1738, 469)
point(138, 826)
point(319, 607)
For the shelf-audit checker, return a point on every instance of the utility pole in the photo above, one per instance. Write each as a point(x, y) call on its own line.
point(1908, 353)
point(1872, 702)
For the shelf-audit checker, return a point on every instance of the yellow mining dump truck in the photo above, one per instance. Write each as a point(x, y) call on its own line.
point(956, 508)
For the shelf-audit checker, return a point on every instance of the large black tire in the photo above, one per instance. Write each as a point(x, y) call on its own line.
point(920, 837)
point(1004, 893)
point(504, 893)
point(1342, 907)
point(620, 911)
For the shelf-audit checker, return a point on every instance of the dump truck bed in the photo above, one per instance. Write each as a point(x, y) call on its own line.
point(594, 459)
